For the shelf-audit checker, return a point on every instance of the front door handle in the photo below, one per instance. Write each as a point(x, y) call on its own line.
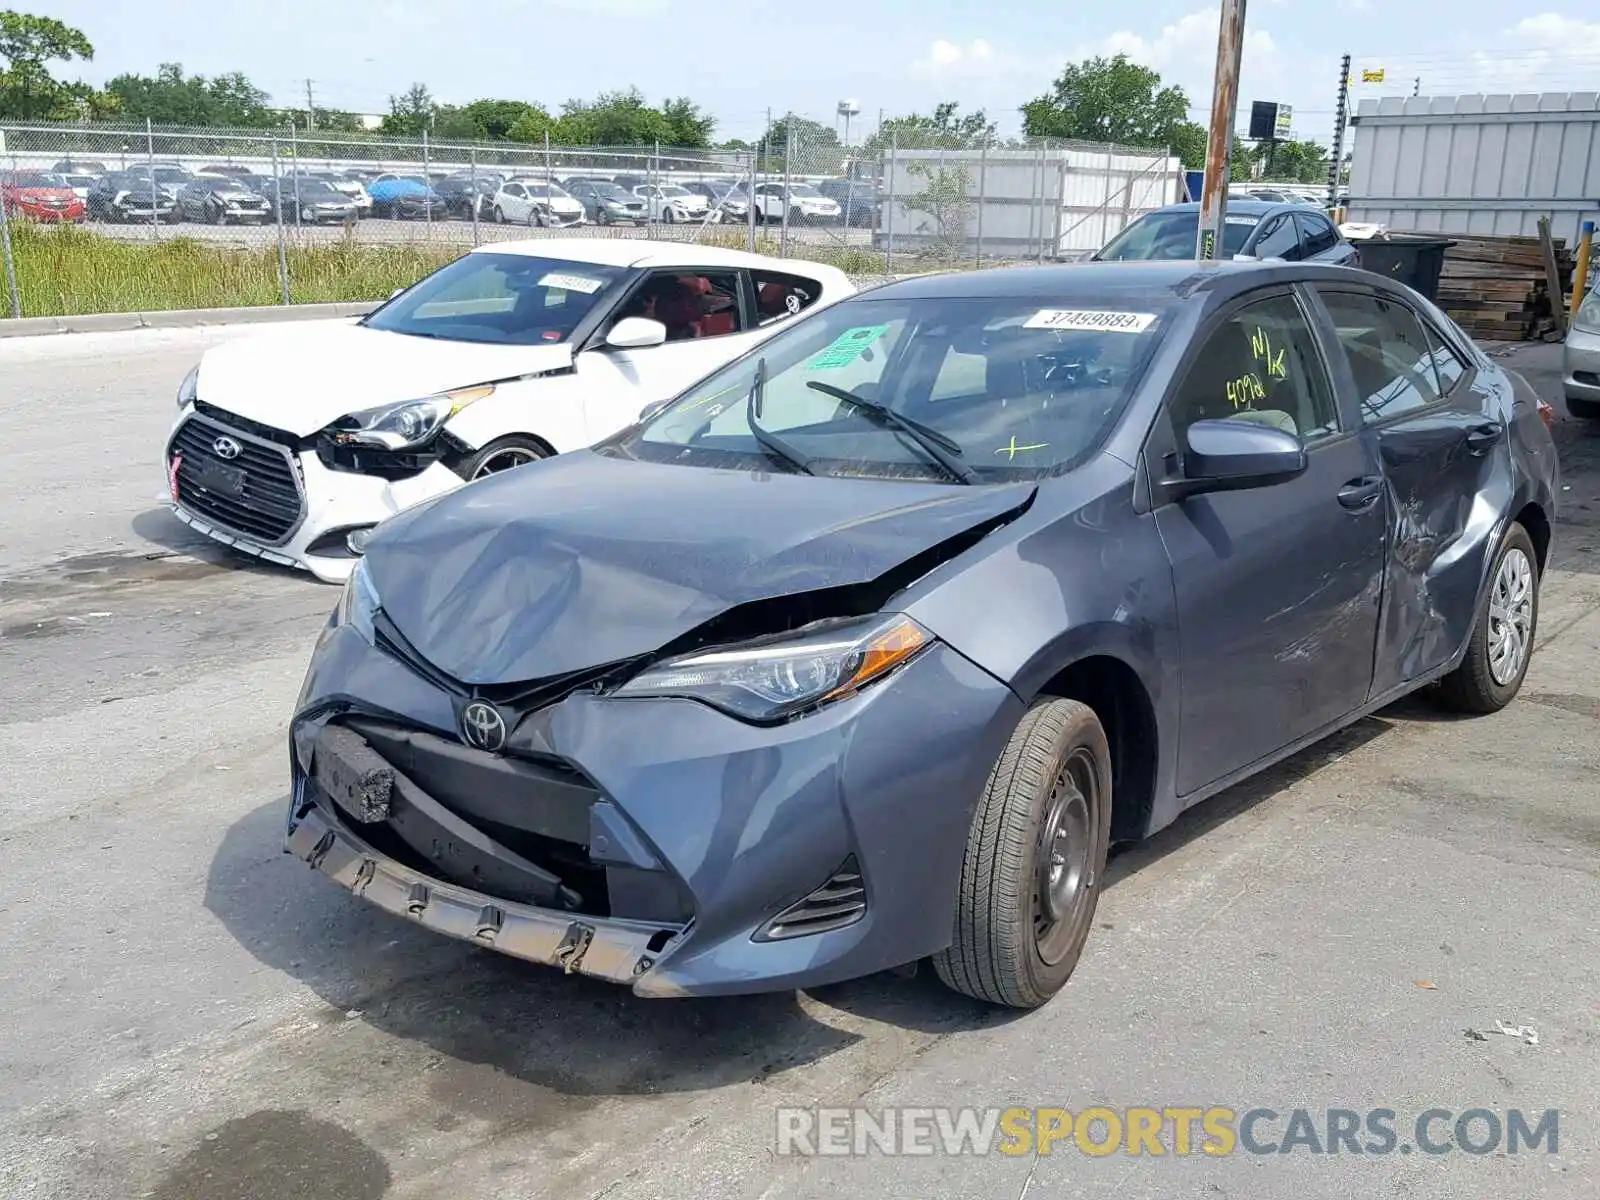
point(1483, 438)
point(1361, 494)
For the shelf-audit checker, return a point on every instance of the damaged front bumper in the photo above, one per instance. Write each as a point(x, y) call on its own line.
point(616, 950)
point(687, 852)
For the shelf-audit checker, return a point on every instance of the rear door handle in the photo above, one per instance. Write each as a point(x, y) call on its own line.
point(1483, 438)
point(1361, 493)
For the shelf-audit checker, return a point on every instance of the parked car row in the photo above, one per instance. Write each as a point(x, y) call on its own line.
point(709, 627)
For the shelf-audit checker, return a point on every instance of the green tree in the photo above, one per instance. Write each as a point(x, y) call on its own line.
point(817, 148)
point(947, 128)
point(27, 89)
point(172, 98)
point(1109, 100)
point(1189, 141)
point(1296, 162)
point(611, 119)
point(410, 113)
point(688, 128)
point(533, 127)
point(485, 120)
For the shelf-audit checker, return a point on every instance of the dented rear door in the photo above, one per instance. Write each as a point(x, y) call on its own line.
point(1438, 425)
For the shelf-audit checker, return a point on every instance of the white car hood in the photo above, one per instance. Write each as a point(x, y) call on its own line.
point(301, 378)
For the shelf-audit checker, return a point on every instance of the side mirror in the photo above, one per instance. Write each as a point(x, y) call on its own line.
point(636, 333)
point(651, 411)
point(1232, 455)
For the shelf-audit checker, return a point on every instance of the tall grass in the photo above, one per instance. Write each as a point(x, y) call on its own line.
point(68, 271)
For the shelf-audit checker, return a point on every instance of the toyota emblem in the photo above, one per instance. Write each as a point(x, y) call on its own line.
point(226, 447)
point(482, 727)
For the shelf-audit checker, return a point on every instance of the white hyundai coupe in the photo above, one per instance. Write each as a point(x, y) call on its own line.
point(291, 443)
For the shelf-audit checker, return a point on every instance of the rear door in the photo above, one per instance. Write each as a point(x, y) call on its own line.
point(1277, 587)
point(1437, 426)
point(1322, 241)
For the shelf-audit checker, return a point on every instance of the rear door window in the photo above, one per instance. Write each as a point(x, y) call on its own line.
point(1317, 232)
point(1388, 352)
point(780, 295)
point(1279, 239)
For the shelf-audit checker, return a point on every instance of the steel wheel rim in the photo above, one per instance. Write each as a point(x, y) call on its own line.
point(1510, 617)
point(1063, 858)
point(505, 460)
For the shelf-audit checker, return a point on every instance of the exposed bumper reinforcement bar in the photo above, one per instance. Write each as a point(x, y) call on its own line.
point(605, 948)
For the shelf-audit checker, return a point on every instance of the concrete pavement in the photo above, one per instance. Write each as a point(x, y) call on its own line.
point(190, 1015)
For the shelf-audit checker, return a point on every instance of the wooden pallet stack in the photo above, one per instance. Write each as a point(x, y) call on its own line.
point(1496, 287)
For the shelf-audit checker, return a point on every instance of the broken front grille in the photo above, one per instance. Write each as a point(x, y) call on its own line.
point(256, 493)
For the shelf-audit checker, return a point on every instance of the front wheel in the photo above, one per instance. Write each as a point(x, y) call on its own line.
point(1502, 637)
point(505, 454)
point(1035, 857)
point(499, 215)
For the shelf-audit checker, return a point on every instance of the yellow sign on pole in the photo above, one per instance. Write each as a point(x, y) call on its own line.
point(1372, 76)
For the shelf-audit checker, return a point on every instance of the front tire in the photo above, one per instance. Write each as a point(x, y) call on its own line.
point(1502, 636)
point(1035, 858)
point(505, 454)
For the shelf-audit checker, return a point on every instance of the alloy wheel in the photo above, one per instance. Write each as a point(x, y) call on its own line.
point(505, 460)
point(1510, 617)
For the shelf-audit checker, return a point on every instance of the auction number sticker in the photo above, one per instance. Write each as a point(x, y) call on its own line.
point(847, 347)
point(572, 283)
point(1239, 220)
point(1089, 320)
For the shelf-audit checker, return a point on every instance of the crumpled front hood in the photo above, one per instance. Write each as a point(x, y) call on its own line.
point(584, 560)
point(304, 376)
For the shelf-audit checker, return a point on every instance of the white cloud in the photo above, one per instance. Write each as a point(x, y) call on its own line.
point(1187, 44)
point(1543, 53)
point(977, 57)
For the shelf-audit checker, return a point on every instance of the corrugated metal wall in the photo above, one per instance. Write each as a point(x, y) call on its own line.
point(1477, 164)
point(1044, 202)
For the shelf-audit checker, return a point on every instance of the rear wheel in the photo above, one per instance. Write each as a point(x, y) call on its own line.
point(505, 454)
point(1502, 637)
point(1036, 852)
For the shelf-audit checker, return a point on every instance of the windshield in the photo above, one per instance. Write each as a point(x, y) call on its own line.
point(672, 189)
point(1024, 389)
point(33, 179)
point(311, 189)
point(803, 189)
point(545, 189)
point(501, 298)
point(611, 191)
point(1172, 235)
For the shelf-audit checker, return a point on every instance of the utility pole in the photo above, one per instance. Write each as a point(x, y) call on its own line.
point(1341, 118)
point(1224, 99)
point(311, 109)
point(1416, 86)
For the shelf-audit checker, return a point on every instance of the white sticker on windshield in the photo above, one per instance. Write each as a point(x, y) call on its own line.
point(572, 283)
point(1238, 220)
point(1094, 320)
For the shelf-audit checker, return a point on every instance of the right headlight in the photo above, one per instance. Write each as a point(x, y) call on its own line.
point(1588, 315)
point(409, 423)
point(776, 678)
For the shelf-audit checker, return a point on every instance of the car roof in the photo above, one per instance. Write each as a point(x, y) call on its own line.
point(1098, 284)
point(642, 253)
point(1250, 207)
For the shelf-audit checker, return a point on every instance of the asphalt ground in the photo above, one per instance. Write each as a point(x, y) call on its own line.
point(191, 1015)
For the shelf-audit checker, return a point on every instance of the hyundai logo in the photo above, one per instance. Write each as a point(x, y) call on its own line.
point(226, 447)
point(482, 727)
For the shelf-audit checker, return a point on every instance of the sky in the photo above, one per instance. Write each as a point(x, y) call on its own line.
point(894, 56)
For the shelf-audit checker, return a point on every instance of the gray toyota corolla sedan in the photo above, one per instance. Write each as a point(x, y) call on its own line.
point(864, 649)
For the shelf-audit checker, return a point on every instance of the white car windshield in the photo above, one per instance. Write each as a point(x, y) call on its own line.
point(673, 190)
point(806, 190)
point(502, 298)
point(546, 189)
point(1019, 388)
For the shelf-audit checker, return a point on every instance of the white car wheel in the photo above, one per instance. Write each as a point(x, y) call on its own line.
point(505, 454)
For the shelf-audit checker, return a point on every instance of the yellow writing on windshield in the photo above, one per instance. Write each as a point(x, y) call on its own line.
point(1013, 449)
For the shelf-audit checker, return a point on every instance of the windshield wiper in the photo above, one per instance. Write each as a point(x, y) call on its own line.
point(774, 445)
point(940, 447)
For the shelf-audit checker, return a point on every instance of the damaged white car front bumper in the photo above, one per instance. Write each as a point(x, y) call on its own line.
point(264, 493)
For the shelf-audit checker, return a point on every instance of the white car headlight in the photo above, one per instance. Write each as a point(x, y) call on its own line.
point(769, 680)
point(1588, 315)
point(410, 423)
point(358, 603)
point(186, 389)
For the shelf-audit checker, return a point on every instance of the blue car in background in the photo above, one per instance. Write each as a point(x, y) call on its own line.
point(1256, 228)
point(406, 198)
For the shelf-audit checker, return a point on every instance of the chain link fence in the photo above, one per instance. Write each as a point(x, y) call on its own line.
point(103, 218)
